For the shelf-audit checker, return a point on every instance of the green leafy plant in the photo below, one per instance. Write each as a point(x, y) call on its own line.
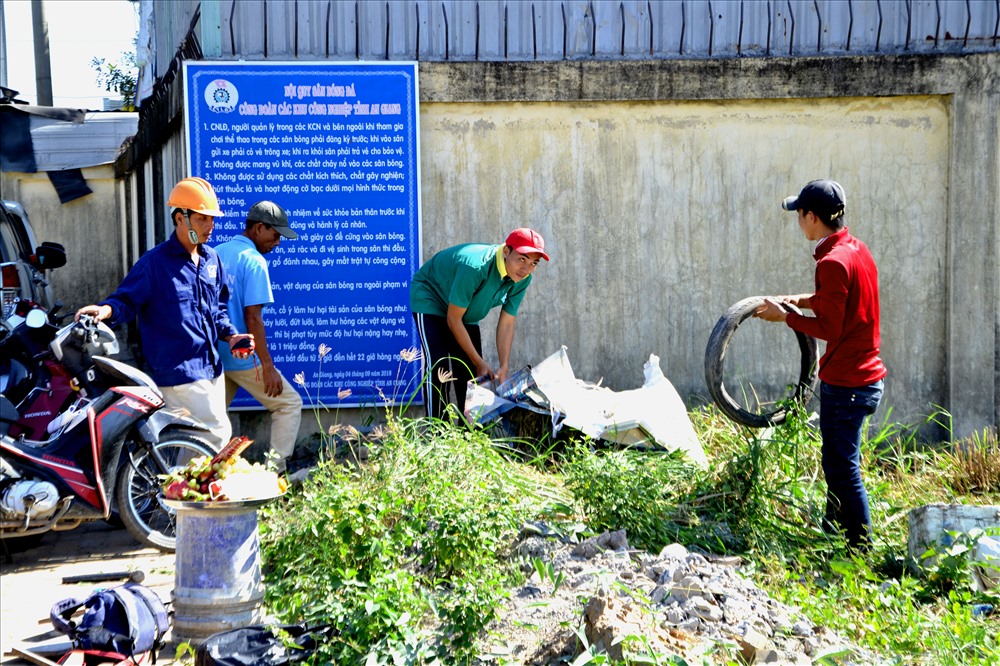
point(402, 553)
point(120, 77)
point(626, 489)
point(184, 653)
point(409, 554)
point(547, 571)
point(949, 564)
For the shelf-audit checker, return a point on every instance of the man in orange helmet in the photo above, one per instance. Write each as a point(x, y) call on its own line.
point(176, 292)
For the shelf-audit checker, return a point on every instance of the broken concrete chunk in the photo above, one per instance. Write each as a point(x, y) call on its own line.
point(802, 628)
point(688, 587)
point(704, 609)
point(674, 551)
point(751, 644)
point(594, 546)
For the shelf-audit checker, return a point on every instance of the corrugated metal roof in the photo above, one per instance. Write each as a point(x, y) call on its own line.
point(571, 29)
point(519, 30)
point(64, 145)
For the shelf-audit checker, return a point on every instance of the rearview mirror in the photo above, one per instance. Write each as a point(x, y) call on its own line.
point(48, 256)
point(36, 319)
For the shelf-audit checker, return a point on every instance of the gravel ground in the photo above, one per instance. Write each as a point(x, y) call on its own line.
point(593, 593)
point(697, 607)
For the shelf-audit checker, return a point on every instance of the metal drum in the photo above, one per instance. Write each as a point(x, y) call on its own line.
point(217, 579)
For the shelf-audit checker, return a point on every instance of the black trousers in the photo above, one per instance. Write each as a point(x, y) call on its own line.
point(442, 353)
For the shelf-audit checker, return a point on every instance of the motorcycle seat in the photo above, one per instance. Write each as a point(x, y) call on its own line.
point(14, 379)
point(8, 414)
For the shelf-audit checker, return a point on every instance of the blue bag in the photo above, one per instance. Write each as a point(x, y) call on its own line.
point(129, 619)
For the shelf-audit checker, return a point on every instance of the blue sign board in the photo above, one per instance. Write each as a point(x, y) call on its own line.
point(336, 145)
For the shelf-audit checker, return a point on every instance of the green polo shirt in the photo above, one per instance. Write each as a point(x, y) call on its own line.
point(470, 276)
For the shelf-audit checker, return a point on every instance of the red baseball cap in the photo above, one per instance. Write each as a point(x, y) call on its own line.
point(527, 241)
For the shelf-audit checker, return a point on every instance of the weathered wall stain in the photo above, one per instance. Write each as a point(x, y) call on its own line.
point(662, 214)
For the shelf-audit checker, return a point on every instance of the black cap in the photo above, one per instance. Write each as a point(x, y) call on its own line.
point(823, 197)
point(272, 215)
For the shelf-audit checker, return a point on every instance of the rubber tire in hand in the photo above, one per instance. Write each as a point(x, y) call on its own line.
point(715, 355)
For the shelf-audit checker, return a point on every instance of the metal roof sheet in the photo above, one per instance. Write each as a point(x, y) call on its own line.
point(519, 30)
point(65, 145)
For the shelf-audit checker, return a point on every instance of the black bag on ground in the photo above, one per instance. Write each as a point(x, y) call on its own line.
point(258, 646)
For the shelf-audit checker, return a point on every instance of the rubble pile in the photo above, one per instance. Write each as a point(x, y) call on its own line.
point(675, 602)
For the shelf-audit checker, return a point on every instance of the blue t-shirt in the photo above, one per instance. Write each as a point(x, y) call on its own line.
point(181, 311)
point(249, 284)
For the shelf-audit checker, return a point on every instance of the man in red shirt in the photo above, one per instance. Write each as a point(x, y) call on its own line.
point(846, 309)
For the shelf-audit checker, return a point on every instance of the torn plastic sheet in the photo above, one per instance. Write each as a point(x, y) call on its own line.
point(482, 405)
point(652, 415)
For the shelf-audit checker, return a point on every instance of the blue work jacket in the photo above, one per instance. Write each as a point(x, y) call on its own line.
point(180, 309)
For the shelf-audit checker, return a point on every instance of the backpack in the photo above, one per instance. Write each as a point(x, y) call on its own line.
point(129, 619)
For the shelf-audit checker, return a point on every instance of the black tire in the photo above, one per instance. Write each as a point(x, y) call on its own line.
point(137, 492)
point(715, 355)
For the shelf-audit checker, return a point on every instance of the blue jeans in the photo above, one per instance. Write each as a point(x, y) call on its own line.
point(842, 414)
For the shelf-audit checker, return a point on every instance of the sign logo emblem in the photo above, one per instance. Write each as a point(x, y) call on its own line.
point(221, 96)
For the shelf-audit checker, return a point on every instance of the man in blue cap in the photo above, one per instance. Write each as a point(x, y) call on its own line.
point(249, 291)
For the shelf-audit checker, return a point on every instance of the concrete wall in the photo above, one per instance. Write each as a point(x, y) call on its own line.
point(660, 215)
point(658, 184)
point(91, 228)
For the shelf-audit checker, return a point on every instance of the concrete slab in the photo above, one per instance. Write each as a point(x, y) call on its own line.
point(31, 580)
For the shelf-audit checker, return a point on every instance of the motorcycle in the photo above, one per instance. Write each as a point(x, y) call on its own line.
point(83, 435)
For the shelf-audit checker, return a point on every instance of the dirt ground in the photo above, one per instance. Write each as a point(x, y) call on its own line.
point(31, 580)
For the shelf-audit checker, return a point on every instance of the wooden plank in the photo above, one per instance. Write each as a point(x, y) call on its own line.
point(25, 653)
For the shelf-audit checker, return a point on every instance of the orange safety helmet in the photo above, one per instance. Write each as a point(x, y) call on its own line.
point(195, 194)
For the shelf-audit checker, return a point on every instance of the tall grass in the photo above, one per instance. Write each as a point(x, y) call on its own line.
point(407, 555)
point(975, 464)
point(876, 601)
point(763, 498)
point(403, 555)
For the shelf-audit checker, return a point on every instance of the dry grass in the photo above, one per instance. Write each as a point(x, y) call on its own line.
point(975, 463)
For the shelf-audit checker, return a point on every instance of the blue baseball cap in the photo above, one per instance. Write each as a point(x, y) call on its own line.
point(823, 197)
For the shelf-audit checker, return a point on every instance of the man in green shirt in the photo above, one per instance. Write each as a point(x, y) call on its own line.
point(452, 292)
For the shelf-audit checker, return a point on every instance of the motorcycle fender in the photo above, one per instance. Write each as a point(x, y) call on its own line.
point(162, 419)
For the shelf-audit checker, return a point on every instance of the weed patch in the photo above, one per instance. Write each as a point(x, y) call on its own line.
point(405, 554)
point(409, 554)
point(975, 464)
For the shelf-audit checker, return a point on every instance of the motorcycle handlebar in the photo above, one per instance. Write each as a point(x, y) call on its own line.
point(87, 323)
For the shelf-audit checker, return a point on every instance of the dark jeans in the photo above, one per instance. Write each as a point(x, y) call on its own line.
point(841, 416)
point(441, 352)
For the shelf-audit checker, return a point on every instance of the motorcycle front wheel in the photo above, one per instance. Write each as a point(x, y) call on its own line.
point(138, 495)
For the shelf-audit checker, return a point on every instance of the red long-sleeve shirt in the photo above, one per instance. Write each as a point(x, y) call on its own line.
point(847, 312)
